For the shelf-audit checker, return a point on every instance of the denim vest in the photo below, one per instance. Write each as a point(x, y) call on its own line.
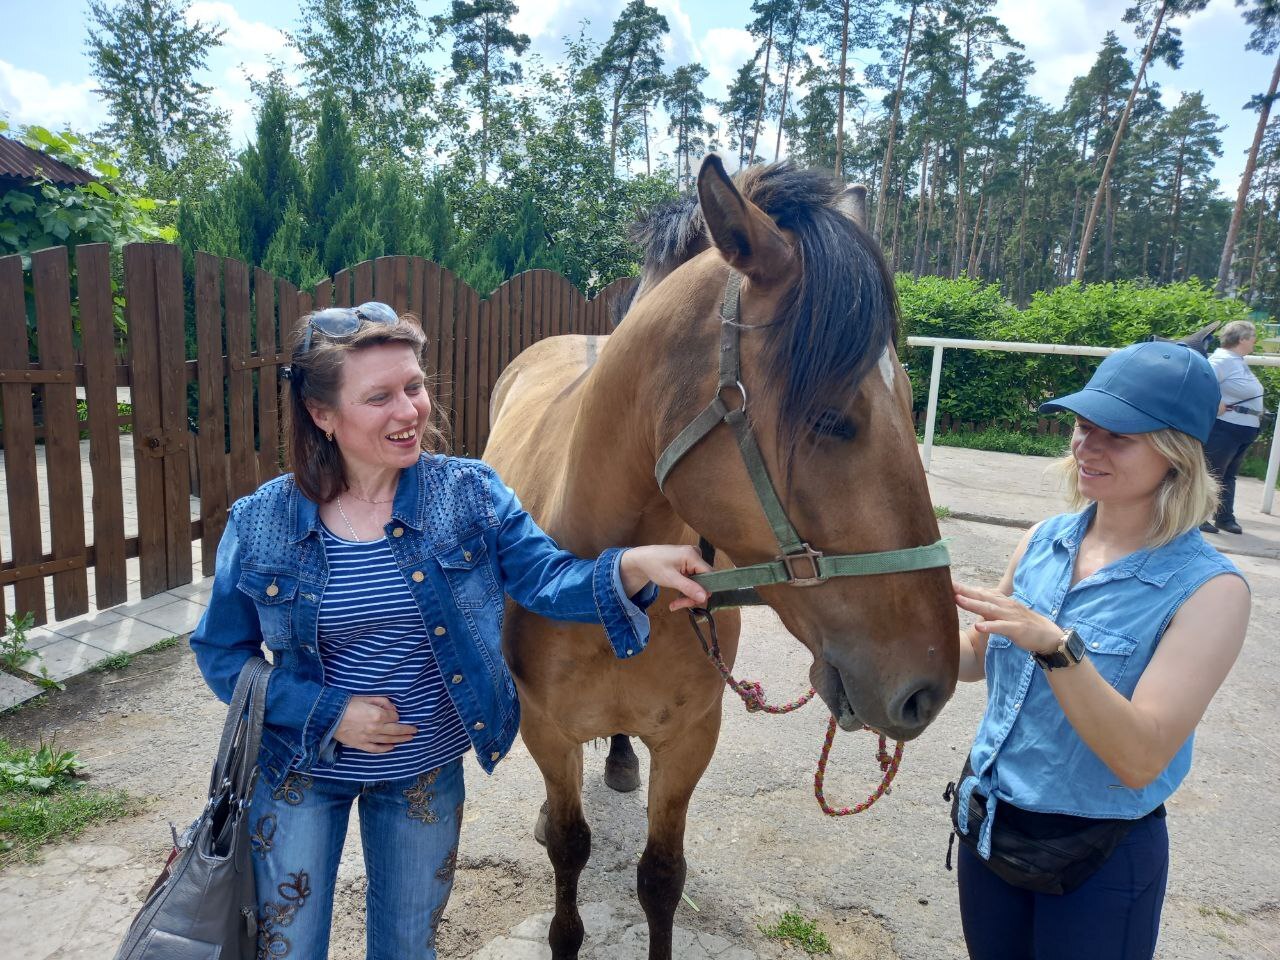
point(1025, 750)
point(461, 540)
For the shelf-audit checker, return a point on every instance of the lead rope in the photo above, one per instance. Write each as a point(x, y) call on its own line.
point(752, 695)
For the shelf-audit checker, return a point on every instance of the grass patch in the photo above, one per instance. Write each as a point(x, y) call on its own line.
point(1006, 441)
point(117, 661)
point(940, 512)
point(164, 644)
point(795, 928)
point(1223, 914)
point(1256, 467)
point(42, 799)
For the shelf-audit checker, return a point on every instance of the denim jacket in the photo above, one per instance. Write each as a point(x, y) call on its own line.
point(1025, 750)
point(462, 540)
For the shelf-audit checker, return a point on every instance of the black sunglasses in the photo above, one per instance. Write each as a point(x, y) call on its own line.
point(339, 322)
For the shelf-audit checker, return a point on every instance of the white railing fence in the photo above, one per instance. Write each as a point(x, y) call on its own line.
point(939, 344)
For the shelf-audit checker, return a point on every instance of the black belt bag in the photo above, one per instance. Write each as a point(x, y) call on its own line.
point(1022, 854)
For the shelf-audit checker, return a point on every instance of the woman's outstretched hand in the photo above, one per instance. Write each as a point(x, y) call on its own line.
point(666, 565)
point(1006, 616)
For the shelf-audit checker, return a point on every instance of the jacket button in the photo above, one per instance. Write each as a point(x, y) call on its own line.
point(457, 678)
point(272, 590)
point(439, 631)
point(418, 576)
point(479, 725)
point(495, 756)
point(398, 532)
point(466, 554)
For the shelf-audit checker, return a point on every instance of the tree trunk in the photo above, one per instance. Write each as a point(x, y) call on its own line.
point(897, 222)
point(648, 165)
point(786, 83)
point(1109, 232)
point(1065, 275)
point(844, 57)
point(1174, 214)
point(964, 112)
point(764, 86)
point(1022, 235)
point(1257, 247)
point(1105, 181)
point(924, 193)
point(1237, 212)
point(893, 121)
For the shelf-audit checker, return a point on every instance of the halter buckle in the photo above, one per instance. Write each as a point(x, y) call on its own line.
point(808, 556)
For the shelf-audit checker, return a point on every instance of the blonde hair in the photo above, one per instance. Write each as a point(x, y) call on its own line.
point(1187, 497)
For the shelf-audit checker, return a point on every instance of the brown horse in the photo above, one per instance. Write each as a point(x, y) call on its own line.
point(580, 424)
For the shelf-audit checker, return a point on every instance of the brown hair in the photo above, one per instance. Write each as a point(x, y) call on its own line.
point(316, 377)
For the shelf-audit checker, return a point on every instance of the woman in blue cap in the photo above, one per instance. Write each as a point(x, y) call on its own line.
point(1102, 645)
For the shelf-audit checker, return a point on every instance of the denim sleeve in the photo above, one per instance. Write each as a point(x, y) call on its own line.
point(228, 635)
point(555, 584)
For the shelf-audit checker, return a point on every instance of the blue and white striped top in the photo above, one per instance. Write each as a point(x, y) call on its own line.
point(373, 643)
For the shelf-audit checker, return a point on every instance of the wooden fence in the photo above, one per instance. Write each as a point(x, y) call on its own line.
point(242, 316)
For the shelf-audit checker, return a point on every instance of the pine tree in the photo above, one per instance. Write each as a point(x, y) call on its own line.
point(272, 176)
point(685, 103)
point(630, 66)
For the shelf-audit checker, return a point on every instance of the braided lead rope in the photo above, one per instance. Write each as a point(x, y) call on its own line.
point(751, 692)
point(888, 766)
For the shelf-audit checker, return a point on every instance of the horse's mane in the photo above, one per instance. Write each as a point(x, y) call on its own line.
point(835, 321)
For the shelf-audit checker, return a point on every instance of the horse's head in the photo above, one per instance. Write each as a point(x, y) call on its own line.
point(830, 408)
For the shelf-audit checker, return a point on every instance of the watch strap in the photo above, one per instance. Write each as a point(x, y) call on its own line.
point(1069, 652)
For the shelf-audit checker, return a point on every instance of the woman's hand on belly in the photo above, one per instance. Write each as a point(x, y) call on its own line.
point(372, 724)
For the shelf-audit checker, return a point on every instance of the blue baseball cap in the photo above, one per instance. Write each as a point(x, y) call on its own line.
point(1147, 387)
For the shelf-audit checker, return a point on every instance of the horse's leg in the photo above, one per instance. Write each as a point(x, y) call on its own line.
point(568, 838)
point(622, 768)
point(674, 770)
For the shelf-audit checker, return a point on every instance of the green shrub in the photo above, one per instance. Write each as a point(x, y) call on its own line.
point(984, 386)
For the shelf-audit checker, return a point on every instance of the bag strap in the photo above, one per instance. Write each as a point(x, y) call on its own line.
point(235, 731)
point(252, 739)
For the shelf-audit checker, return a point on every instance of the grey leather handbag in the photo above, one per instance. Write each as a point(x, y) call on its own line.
point(204, 905)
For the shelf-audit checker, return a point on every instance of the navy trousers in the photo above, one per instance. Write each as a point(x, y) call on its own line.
point(1228, 443)
point(1115, 915)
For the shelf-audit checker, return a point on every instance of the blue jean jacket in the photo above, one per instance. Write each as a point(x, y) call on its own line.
point(461, 540)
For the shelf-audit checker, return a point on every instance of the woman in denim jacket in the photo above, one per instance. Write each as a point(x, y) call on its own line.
point(1102, 646)
point(375, 574)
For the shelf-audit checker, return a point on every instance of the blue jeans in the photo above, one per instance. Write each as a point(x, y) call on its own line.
point(409, 833)
point(1114, 915)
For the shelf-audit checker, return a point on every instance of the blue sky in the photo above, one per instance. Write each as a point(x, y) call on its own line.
point(44, 74)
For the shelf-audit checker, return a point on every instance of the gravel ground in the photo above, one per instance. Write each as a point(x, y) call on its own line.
point(757, 844)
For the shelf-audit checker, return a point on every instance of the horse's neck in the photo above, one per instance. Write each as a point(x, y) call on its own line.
point(608, 495)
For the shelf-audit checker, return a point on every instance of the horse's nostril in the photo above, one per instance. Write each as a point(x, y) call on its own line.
point(919, 706)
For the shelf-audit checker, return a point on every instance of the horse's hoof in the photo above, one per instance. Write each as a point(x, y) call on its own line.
point(540, 828)
point(622, 775)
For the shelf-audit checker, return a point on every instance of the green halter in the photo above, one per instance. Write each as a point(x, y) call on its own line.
point(797, 564)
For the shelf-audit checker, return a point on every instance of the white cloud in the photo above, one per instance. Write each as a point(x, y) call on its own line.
point(725, 50)
point(252, 38)
point(29, 97)
point(535, 19)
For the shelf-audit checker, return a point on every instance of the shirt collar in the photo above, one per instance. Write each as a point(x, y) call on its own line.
point(409, 506)
point(1150, 565)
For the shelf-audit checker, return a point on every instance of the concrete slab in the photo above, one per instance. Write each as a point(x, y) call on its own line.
point(178, 617)
point(79, 625)
point(127, 636)
point(14, 691)
point(66, 658)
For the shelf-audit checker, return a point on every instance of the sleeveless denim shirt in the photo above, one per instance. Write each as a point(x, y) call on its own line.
point(1025, 750)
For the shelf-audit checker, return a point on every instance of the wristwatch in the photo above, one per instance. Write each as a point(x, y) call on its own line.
point(1070, 651)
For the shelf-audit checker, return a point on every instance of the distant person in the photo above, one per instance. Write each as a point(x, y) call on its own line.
point(1239, 418)
point(1101, 647)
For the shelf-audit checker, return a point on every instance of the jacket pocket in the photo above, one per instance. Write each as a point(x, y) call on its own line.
point(1109, 651)
point(466, 567)
point(274, 596)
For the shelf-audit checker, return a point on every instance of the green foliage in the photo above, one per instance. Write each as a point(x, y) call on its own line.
point(42, 799)
point(794, 927)
point(984, 386)
point(42, 214)
point(1006, 441)
point(117, 661)
point(13, 646)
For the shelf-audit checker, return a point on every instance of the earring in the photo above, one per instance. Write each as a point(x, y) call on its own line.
point(328, 435)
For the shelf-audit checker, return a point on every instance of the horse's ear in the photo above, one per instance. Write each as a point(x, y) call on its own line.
point(741, 231)
point(853, 203)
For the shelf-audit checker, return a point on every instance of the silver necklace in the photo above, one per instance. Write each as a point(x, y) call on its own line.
point(347, 521)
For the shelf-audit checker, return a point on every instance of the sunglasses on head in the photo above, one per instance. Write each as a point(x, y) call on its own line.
point(339, 322)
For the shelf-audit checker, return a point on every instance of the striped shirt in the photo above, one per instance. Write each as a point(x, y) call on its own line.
point(373, 642)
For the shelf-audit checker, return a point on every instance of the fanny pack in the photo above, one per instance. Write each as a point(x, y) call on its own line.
point(1044, 853)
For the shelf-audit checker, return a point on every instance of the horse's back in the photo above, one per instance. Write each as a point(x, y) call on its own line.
point(532, 410)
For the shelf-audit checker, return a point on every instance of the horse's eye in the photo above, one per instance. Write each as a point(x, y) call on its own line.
point(832, 425)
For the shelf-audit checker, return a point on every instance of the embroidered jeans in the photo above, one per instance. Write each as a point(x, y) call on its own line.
point(409, 835)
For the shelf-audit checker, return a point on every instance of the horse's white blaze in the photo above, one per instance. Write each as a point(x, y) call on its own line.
point(886, 366)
